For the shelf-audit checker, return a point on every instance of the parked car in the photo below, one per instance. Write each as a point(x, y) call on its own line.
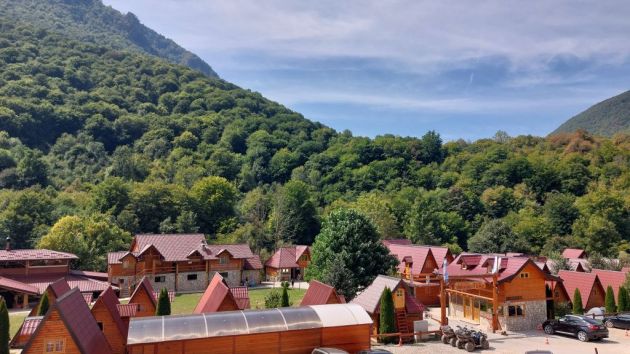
point(618, 321)
point(328, 351)
point(596, 313)
point(583, 327)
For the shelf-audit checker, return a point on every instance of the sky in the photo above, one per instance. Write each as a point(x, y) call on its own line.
point(465, 69)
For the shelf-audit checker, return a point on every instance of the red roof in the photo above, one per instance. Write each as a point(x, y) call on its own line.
point(144, 285)
point(241, 296)
point(580, 280)
point(41, 282)
point(215, 294)
point(439, 253)
point(18, 286)
point(114, 257)
point(33, 254)
point(59, 287)
point(253, 263)
point(481, 264)
point(79, 322)
point(26, 330)
point(370, 297)
point(416, 255)
point(286, 257)
point(573, 253)
point(110, 301)
point(178, 247)
point(92, 275)
point(318, 294)
point(127, 310)
point(88, 297)
point(611, 278)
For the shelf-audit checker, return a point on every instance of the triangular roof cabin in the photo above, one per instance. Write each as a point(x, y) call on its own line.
point(105, 311)
point(611, 278)
point(26, 330)
point(219, 297)
point(143, 296)
point(54, 291)
point(574, 253)
point(590, 286)
point(319, 293)
point(68, 327)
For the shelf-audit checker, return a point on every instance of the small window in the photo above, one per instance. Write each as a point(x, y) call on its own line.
point(160, 279)
point(125, 264)
point(191, 276)
point(399, 293)
point(224, 260)
point(55, 346)
point(516, 310)
point(224, 274)
point(524, 275)
point(121, 281)
point(100, 325)
point(285, 270)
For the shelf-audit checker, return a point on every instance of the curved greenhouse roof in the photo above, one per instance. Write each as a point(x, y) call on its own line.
point(172, 328)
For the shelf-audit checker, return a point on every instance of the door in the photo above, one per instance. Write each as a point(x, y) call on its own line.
point(467, 307)
point(475, 310)
point(399, 298)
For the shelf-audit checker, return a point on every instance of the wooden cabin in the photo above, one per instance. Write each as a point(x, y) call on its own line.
point(288, 263)
point(26, 330)
point(108, 319)
point(220, 297)
point(514, 285)
point(144, 299)
point(319, 293)
point(574, 253)
point(181, 263)
point(407, 308)
point(614, 279)
point(296, 330)
point(68, 327)
point(591, 288)
point(53, 291)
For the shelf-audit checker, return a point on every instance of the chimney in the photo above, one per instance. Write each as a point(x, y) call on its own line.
point(7, 247)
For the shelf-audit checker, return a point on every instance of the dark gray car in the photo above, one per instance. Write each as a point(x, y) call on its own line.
point(582, 327)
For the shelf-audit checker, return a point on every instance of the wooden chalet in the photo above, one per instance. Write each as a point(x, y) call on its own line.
point(440, 253)
point(26, 330)
point(54, 291)
point(143, 298)
point(68, 327)
point(288, 263)
point(220, 297)
point(181, 263)
point(510, 295)
point(591, 289)
point(614, 279)
point(105, 312)
point(295, 330)
point(574, 253)
point(321, 294)
point(407, 308)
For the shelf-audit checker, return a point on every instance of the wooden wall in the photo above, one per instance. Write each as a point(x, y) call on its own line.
point(110, 330)
point(147, 308)
point(52, 329)
point(597, 297)
point(348, 338)
point(525, 289)
point(428, 295)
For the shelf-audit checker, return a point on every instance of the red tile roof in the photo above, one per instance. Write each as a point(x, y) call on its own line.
point(286, 257)
point(573, 253)
point(58, 287)
point(92, 275)
point(33, 254)
point(41, 282)
point(79, 322)
point(213, 297)
point(439, 253)
point(611, 278)
point(318, 294)
point(144, 285)
point(241, 296)
point(370, 297)
point(178, 247)
point(127, 310)
point(416, 255)
point(479, 264)
point(253, 263)
point(14, 285)
point(110, 301)
point(580, 280)
point(114, 257)
point(25, 331)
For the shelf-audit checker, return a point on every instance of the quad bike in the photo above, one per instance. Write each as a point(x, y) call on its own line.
point(463, 336)
point(473, 339)
point(448, 335)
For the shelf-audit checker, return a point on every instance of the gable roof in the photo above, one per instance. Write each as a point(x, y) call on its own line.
point(34, 254)
point(241, 296)
point(416, 255)
point(216, 292)
point(144, 285)
point(439, 253)
point(42, 281)
point(370, 297)
point(253, 263)
point(79, 322)
point(109, 300)
point(318, 293)
point(478, 265)
point(573, 253)
point(59, 287)
point(579, 280)
point(558, 286)
point(611, 278)
point(10, 284)
point(127, 310)
point(286, 257)
point(179, 247)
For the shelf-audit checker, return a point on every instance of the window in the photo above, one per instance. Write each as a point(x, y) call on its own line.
point(126, 264)
point(524, 275)
point(400, 293)
point(160, 279)
point(285, 270)
point(191, 276)
point(516, 310)
point(224, 274)
point(55, 346)
point(121, 281)
point(224, 260)
point(100, 325)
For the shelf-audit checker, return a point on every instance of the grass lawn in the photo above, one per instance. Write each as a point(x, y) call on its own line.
point(15, 320)
point(185, 303)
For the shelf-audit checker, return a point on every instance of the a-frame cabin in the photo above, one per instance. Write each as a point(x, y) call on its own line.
point(219, 297)
point(108, 319)
point(54, 291)
point(144, 297)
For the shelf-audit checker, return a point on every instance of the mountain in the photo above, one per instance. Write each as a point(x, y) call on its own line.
point(605, 118)
point(90, 20)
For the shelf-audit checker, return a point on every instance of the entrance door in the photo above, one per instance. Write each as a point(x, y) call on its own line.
point(475, 310)
point(467, 307)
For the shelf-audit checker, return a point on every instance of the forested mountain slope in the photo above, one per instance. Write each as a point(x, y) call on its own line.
point(90, 20)
point(98, 142)
point(606, 118)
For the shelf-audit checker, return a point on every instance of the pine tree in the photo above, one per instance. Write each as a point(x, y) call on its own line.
point(610, 300)
point(578, 309)
point(387, 321)
point(164, 304)
point(623, 300)
point(4, 327)
point(44, 304)
point(284, 302)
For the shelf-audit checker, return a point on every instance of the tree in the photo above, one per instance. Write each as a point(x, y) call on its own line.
point(598, 234)
point(339, 277)
point(623, 300)
point(4, 327)
point(560, 211)
point(387, 321)
point(214, 199)
point(43, 305)
point(273, 299)
point(498, 201)
point(164, 304)
point(578, 309)
point(495, 236)
point(611, 307)
point(350, 239)
point(294, 217)
point(111, 196)
point(558, 263)
point(284, 302)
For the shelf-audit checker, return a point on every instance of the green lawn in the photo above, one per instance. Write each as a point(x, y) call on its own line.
point(15, 320)
point(257, 297)
point(185, 303)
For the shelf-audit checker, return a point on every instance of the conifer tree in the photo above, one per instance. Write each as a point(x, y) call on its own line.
point(164, 304)
point(44, 304)
point(623, 300)
point(578, 308)
point(387, 321)
point(610, 300)
point(4, 327)
point(284, 302)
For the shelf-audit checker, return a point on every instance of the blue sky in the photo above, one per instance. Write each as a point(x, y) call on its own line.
point(463, 68)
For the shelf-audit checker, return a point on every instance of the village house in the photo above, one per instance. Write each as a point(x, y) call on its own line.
point(105, 312)
point(614, 279)
point(591, 289)
point(407, 308)
point(288, 263)
point(220, 297)
point(515, 290)
point(319, 293)
point(181, 263)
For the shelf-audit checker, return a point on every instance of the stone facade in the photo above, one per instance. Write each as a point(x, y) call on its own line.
point(231, 277)
point(535, 314)
point(252, 276)
point(192, 281)
point(168, 282)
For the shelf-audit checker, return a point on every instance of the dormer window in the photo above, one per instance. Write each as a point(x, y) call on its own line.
point(224, 260)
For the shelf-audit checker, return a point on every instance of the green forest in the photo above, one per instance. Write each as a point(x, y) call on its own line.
point(98, 142)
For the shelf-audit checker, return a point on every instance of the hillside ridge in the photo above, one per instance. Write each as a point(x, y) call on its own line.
point(605, 118)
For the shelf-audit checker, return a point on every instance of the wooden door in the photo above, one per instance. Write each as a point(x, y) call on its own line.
point(399, 298)
point(475, 310)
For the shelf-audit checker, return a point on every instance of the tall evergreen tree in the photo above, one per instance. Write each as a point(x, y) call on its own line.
point(285, 295)
point(578, 308)
point(610, 300)
point(4, 327)
point(164, 304)
point(387, 321)
point(623, 300)
point(44, 304)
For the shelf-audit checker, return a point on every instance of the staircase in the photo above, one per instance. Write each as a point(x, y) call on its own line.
point(401, 321)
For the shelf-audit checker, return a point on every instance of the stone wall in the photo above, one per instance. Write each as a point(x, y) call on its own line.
point(232, 277)
point(252, 276)
point(535, 315)
point(169, 282)
point(125, 286)
point(186, 285)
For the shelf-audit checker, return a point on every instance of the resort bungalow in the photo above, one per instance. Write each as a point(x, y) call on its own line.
point(288, 263)
point(105, 312)
point(611, 278)
point(220, 297)
point(591, 289)
point(319, 293)
point(574, 253)
point(143, 298)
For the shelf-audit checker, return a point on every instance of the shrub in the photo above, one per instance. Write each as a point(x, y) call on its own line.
point(387, 320)
point(578, 308)
point(164, 304)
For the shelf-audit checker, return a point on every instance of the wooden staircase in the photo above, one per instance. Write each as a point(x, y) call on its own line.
point(401, 321)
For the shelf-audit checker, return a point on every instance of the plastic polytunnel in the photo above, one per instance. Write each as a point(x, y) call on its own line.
point(230, 323)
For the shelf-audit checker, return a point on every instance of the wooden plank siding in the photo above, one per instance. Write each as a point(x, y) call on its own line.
point(112, 334)
point(53, 329)
point(529, 288)
point(146, 306)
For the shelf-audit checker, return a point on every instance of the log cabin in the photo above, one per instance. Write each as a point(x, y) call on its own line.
point(288, 263)
point(105, 312)
point(319, 293)
point(143, 297)
point(68, 327)
point(407, 308)
point(614, 279)
point(574, 253)
point(53, 291)
point(220, 297)
point(26, 330)
point(509, 296)
point(296, 330)
point(181, 263)
point(591, 288)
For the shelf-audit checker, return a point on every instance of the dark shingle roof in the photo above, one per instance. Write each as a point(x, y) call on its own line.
point(286, 257)
point(33, 254)
point(318, 294)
